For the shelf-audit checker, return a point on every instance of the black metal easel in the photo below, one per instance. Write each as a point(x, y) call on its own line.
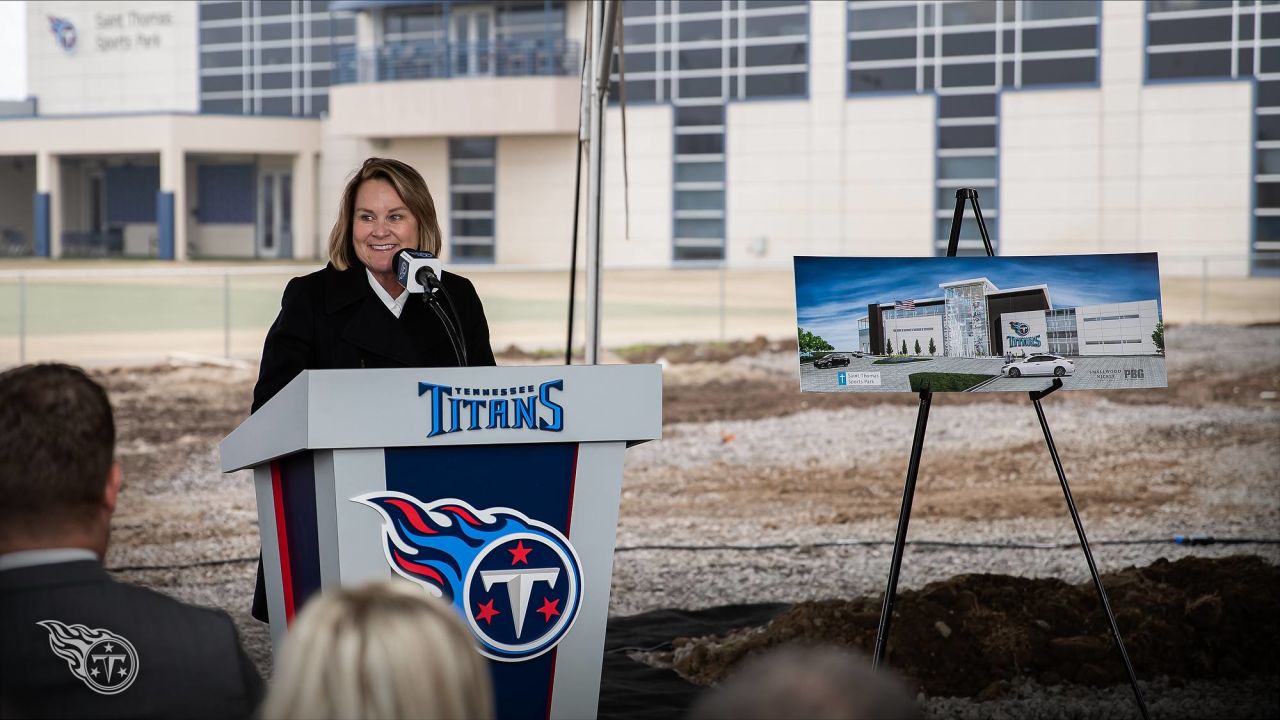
point(913, 468)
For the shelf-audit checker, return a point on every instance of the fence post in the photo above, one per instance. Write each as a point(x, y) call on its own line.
point(226, 315)
point(722, 299)
point(22, 319)
point(1204, 289)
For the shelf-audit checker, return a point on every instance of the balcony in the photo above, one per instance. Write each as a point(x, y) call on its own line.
point(445, 60)
point(435, 89)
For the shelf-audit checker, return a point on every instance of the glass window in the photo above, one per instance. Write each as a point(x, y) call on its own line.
point(700, 115)
point(1245, 62)
point(700, 172)
point(950, 106)
point(777, 25)
point(472, 201)
point(883, 48)
point(227, 107)
point(969, 75)
point(699, 200)
point(1269, 93)
point(222, 83)
point(1207, 63)
point(1268, 229)
point(275, 31)
point(319, 104)
point(698, 252)
point(641, 90)
point(214, 36)
point(699, 6)
point(221, 59)
point(318, 78)
point(1270, 62)
point(791, 54)
point(970, 12)
point(1159, 6)
point(983, 136)
point(965, 167)
point(1269, 162)
point(700, 228)
point(639, 8)
point(321, 53)
point(979, 43)
point(274, 7)
point(699, 59)
point(1079, 37)
point(700, 30)
point(640, 62)
point(277, 56)
point(277, 81)
point(987, 198)
point(701, 87)
point(472, 148)
point(472, 227)
point(1269, 195)
point(783, 85)
point(699, 144)
point(1055, 72)
point(277, 106)
point(469, 251)
point(1189, 30)
point(882, 79)
point(471, 175)
point(643, 34)
point(887, 18)
point(220, 10)
point(1054, 9)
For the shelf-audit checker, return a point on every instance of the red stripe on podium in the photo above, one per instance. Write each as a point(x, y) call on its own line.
point(282, 538)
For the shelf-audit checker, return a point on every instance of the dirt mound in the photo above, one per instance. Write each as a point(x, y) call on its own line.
point(970, 635)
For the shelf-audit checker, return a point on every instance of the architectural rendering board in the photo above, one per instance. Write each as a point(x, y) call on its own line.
point(979, 324)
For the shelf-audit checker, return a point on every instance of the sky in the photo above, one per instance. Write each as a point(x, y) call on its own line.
point(833, 292)
point(13, 50)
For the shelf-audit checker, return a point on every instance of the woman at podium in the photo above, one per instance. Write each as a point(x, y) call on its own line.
point(354, 313)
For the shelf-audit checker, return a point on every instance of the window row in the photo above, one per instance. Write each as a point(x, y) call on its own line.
point(781, 85)
point(787, 53)
point(292, 30)
point(727, 28)
point(472, 198)
point(913, 78)
point(972, 12)
point(1026, 41)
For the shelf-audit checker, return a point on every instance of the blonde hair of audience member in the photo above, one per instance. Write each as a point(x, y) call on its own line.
point(377, 652)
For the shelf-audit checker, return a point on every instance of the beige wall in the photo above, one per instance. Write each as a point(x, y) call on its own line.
point(534, 200)
point(649, 147)
point(430, 157)
point(17, 196)
point(129, 56)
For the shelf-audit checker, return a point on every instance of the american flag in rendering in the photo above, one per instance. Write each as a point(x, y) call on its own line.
point(904, 304)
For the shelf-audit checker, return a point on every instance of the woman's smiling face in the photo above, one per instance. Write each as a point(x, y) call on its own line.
point(381, 226)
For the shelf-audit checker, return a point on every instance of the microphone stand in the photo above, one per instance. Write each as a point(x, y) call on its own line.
point(452, 328)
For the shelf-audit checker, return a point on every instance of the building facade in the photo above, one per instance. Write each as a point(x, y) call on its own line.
point(974, 318)
point(756, 129)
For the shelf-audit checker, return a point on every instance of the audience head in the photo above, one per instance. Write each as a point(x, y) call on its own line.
point(58, 480)
point(377, 652)
point(809, 683)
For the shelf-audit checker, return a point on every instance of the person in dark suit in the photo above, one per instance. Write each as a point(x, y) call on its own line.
point(354, 313)
point(77, 643)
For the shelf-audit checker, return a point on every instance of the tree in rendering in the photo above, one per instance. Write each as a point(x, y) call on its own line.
point(917, 346)
point(932, 348)
point(810, 343)
point(888, 347)
point(904, 347)
point(1157, 337)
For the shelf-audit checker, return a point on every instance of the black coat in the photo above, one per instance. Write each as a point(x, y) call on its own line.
point(189, 660)
point(332, 319)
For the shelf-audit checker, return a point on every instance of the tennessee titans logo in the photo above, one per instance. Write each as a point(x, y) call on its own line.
point(1019, 327)
point(63, 32)
point(104, 661)
point(516, 581)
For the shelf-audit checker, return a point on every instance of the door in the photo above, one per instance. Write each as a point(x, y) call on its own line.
point(275, 214)
point(471, 38)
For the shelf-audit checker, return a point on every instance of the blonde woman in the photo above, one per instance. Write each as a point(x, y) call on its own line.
point(353, 313)
point(381, 651)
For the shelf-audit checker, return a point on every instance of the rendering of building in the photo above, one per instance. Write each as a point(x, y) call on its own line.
point(757, 129)
point(974, 318)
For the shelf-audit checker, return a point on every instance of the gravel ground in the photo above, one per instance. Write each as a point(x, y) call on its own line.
point(747, 460)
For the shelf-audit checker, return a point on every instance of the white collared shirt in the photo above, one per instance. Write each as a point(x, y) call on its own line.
point(45, 556)
point(396, 304)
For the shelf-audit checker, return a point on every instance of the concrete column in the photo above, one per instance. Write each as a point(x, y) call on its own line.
point(48, 206)
point(173, 194)
point(306, 243)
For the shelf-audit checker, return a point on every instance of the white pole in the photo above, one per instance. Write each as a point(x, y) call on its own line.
point(602, 27)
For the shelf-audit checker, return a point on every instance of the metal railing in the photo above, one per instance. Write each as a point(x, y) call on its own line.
point(428, 60)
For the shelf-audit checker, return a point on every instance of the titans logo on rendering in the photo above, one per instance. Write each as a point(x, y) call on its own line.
point(1019, 327)
point(516, 581)
point(105, 662)
point(64, 33)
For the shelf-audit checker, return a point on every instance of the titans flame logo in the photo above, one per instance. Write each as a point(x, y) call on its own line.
point(64, 32)
point(105, 662)
point(1019, 327)
point(516, 581)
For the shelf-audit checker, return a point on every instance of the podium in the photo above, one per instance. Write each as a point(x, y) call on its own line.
point(495, 489)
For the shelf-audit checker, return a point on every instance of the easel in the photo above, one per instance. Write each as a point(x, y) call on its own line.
point(913, 467)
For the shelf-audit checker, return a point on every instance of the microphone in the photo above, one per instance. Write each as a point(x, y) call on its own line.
point(418, 270)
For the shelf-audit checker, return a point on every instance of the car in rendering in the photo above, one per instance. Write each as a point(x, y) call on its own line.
point(1039, 364)
point(831, 361)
